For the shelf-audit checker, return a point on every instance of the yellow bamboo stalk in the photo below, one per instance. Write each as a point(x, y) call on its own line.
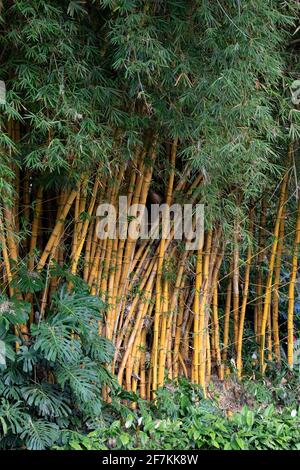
point(260, 258)
point(202, 311)
point(76, 223)
point(198, 335)
point(82, 236)
point(88, 249)
point(269, 336)
point(35, 227)
point(244, 304)
point(171, 324)
point(188, 320)
point(156, 374)
point(163, 334)
point(275, 300)
point(235, 285)
point(26, 200)
point(11, 233)
point(227, 318)
point(54, 238)
point(268, 289)
point(6, 257)
point(143, 366)
point(139, 345)
point(216, 334)
point(291, 303)
point(178, 332)
point(129, 316)
point(208, 359)
point(138, 321)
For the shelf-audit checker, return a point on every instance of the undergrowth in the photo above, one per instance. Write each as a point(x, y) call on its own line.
point(181, 419)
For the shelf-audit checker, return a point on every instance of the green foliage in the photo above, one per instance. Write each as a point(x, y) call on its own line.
point(279, 386)
point(39, 434)
point(182, 419)
point(55, 378)
point(215, 74)
point(47, 399)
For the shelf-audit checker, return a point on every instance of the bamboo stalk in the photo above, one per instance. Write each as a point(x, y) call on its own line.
point(291, 303)
point(54, 240)
point(268, 289)
point(202, 311)
point(227, 318)
point(275, 302)
point(244, 304)
point(35, 227)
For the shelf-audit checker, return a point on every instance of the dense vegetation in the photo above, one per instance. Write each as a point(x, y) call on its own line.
point(176, 101)
point(181, 419)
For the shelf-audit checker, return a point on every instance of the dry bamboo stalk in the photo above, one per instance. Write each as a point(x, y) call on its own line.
point(109, 264)
point(95, 244)
point(142, 265)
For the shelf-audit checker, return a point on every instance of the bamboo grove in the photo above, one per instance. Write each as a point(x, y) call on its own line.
point(170, 101)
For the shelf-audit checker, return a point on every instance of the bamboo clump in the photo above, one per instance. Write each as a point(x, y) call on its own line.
point(170, 312)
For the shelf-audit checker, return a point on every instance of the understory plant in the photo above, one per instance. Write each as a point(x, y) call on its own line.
point(51, 376)
point(181, 419)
